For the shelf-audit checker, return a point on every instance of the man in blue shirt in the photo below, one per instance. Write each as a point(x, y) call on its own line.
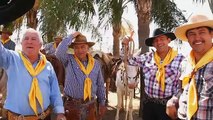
point(84, 81)
point(5, 39)
point(32, 83)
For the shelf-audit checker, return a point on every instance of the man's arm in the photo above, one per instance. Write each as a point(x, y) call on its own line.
point(61, 51)
point(101, 94)
point(55, 95)
point(5, 54)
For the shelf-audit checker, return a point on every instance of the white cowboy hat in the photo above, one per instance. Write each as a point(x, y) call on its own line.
point(13, 9)
point(197, 20)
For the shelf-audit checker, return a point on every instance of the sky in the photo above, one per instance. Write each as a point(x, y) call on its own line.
point(106, 45)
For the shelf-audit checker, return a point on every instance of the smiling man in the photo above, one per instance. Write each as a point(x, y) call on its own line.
point(196, 101)
point(84, 84)
point(161, 70)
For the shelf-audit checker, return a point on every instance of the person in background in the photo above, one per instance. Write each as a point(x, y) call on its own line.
point(8, 44)
point(196, 101)
point(161, 70)
point(32, 86)
point(5, 39)
point(83, 82)
point(50, 48)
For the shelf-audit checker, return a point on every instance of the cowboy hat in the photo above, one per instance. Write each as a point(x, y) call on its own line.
point(196, 20)
point(13, 9)
point(157, 32)
point(81, 39)
point(7, 31)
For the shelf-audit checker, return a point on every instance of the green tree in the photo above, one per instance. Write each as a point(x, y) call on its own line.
point(110, 15)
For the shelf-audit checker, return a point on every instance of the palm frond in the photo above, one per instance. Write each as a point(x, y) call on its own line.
point(166, 14)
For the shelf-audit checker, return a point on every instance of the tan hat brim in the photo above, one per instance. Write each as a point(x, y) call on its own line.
point(90, 44)
point(180, 31)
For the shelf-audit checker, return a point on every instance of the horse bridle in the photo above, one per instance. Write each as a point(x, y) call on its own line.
point(123, 74)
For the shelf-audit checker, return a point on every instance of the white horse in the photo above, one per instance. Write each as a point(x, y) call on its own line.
point(127, 78)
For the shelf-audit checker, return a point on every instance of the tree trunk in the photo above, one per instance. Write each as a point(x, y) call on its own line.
point(144, 17)
point(32, 20)
point(116, 40)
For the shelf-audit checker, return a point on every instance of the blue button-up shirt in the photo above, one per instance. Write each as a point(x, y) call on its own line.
point(19, 84)
point(74, 81)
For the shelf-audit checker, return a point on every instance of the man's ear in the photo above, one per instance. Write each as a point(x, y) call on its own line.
point(169, 39)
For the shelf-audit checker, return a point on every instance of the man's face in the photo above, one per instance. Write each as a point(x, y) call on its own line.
point(57, 40)
point(81, 51)
point(161, 43)
point(200, 39)
point(5, 36)
point(31, 44)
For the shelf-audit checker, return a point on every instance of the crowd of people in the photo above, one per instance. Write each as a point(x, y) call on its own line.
point(176, 87)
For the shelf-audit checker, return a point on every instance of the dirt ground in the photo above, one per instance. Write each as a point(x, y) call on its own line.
point(111, 108)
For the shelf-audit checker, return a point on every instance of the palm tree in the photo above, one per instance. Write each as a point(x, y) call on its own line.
point(110, 14)
point(203, 1)
point(164, 13)
point(55, 17)
point(211, 5)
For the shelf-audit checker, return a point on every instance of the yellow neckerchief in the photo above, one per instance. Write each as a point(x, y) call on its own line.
point(54, 45)
point(192, 102)
point(160, 75)
point(86, 71)
point(35, 92)
point(5, 41)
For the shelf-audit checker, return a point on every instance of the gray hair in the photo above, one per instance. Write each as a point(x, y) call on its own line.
point(31, 30)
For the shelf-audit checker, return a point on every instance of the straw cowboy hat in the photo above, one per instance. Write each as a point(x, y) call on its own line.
point(13, 9)
point(5, 30)
point(197, 20)
point(157, 32)
point(81, 39)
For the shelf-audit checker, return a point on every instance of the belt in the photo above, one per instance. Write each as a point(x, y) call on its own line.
point(77, 101)
point(162, 101)
point(14, 116)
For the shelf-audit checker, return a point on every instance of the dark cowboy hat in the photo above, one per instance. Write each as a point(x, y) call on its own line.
point(13, 9)
point(7, 31)
point(81, 39)
point(157, 32)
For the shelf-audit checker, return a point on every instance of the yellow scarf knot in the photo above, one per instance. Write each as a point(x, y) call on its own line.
point(54, 45)
point(160, 75)
point(35, 92)
point(86, 71)
point(5, 41)
point(192, 102)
